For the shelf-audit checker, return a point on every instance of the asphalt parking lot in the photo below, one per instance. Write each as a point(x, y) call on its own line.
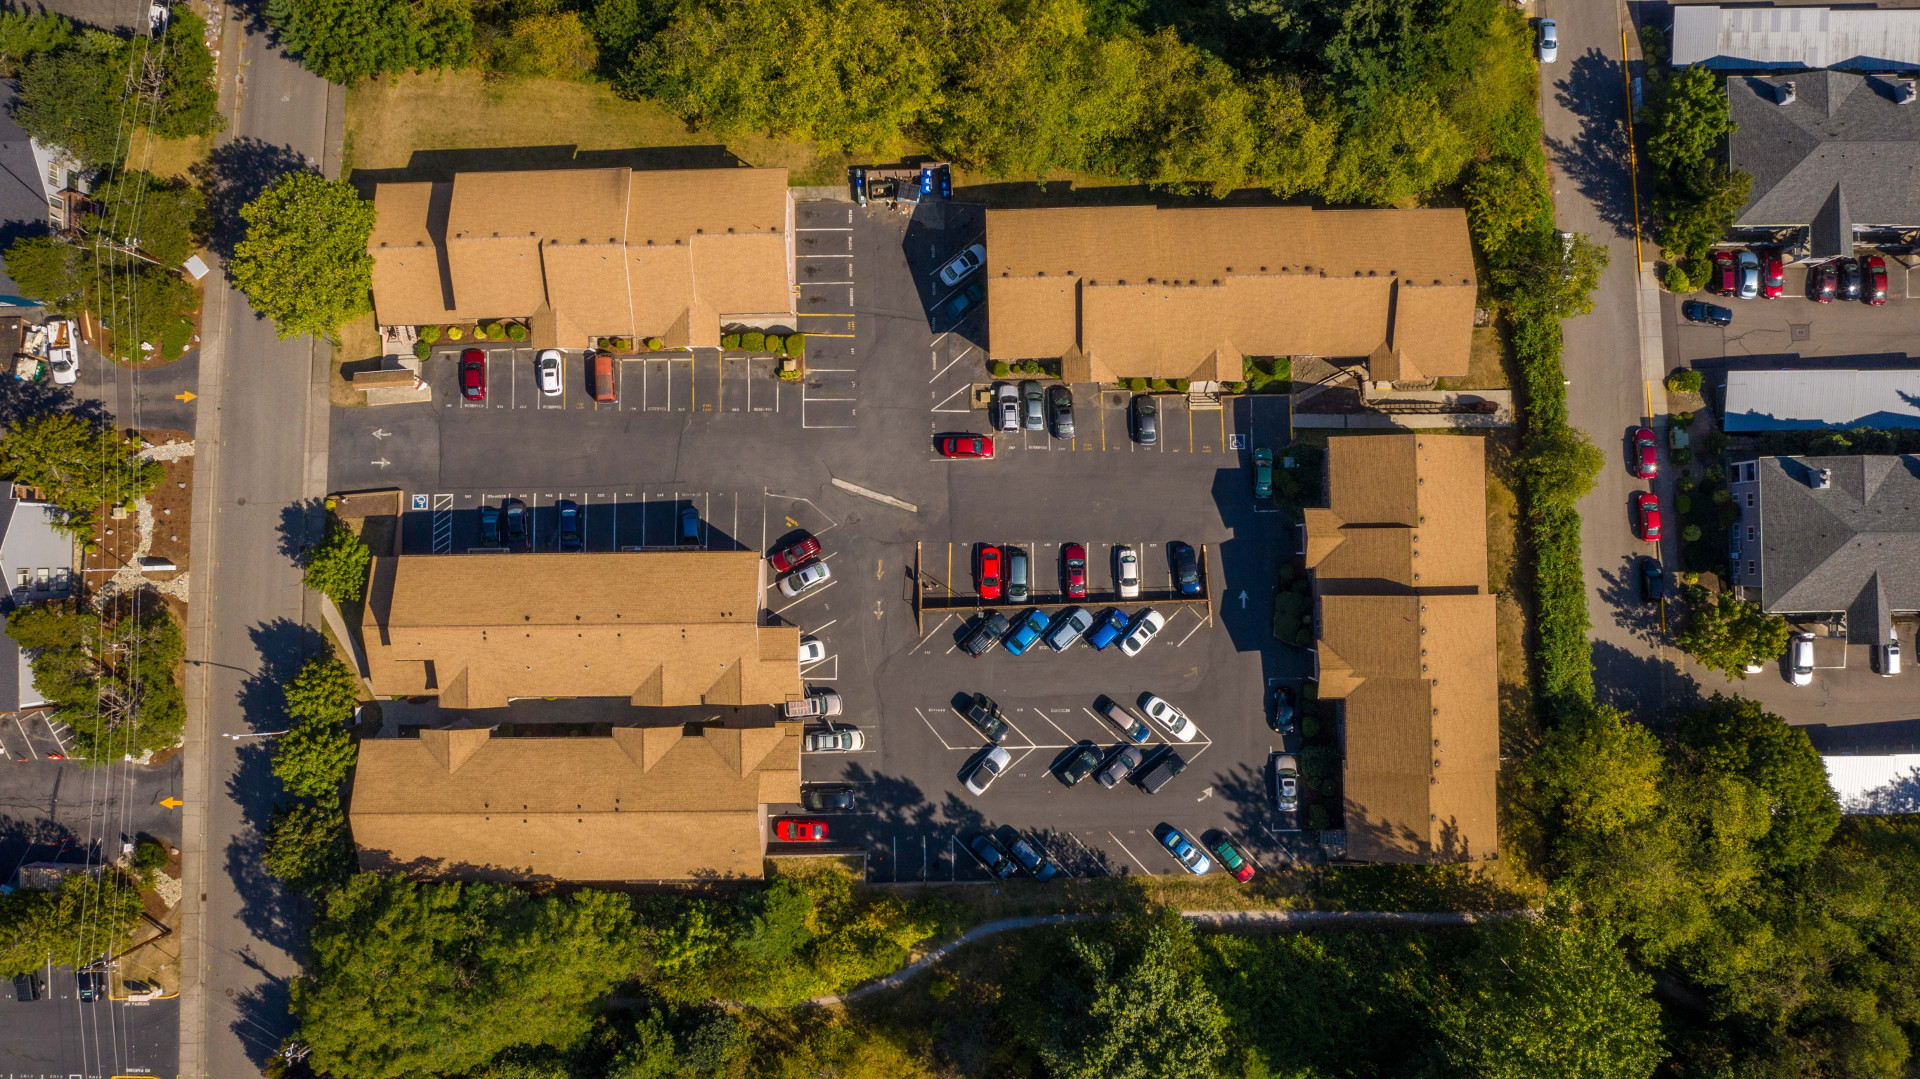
point(58, 1037)
point(847, 456)
point(1793, 331)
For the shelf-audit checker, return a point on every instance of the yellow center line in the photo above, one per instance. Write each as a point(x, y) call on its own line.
point(1189, 429)
point(1633, 160)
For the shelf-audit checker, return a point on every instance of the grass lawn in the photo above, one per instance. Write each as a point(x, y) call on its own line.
point(165, 157)
point(1486, 365)
point(359, 350)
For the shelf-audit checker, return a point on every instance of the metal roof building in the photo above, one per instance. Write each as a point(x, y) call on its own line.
point(1881, 783)
point(1821, 400)
point(1789, 38)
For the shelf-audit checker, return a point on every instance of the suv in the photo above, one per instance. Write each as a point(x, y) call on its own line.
point(1130, 725)
point(1165, 767)
point(1800, 659)
point(831, 798)
point(516, 522)
point(1080, 764)
point(569, 513)
point(983, 713)
point(991, 856)
point(1232, 860)
point(817, 704)
point(490, 527)
point(1006, 407)
point(1060, 411)
point(1067, 628)
point(985, 635)
point(1017, 575)
point(1849, 279)
point(1146, 420)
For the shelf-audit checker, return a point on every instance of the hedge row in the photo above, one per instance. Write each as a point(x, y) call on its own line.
point(793, 344)
point(491, 331)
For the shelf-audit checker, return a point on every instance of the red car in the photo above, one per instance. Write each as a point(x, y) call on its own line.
point(1725, 281)
point(1073, 564)
point(800, 831)
point(1649, 506)
point(1644, 464)
point(1876, 281)
point(965, 446)
point(1773, 276)
point(473, 375)
point(796, 556)
point(986, 571)
point(1823, 282)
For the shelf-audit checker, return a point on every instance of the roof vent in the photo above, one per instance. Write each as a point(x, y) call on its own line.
point(1786, 95)
point(1906, 92)
point(1821, 479)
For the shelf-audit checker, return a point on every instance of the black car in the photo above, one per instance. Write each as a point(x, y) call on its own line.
point(27, 988)
point(1146, 419)
point(1653, 580)
point(1849, 279)
point(1165, 767)
point(1060, 410)
point(1080, 764)
point(1282, 717)
point(964, 301)
point(1186, 568)
point(991, 856)
point(87, 984)
point(1706, 313)
point(1120, 766)
point(516, 522)
point(984, 714)
point(490, 526)
point(828, 799)
point(986, 634)
point(569, 524)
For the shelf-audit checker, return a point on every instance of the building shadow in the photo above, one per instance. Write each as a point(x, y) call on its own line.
point(441, 166)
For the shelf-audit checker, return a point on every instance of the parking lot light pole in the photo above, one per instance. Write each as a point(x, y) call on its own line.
point(255, 734)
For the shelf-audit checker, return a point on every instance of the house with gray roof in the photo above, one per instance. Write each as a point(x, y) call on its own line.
point(1832, 155)
point(36, 565)
point(1823, 536)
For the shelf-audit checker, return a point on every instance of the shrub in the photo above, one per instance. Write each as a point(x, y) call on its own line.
point(791, 376)
point(1318, 818)
point(149, 854)
point(1683, 503)
point(421, 349)
point(730, 341)
point(1030, 367)
point(999, 369)
point(1320, 767)
point(455, 333)
point(653, 344)
point(1716, 474)
point(1715, 444)
point(516, 332)
point(1159, 385)
point(776, 343)
point(797, 345)
point(1721, 496)
point(495, 330)
point(1685, 380)
point(1685, 484)
point(1137, 385)
point(1691, 533)
point(754, 341)
point(1310, 726)
point(1181, 385)
point(1677, 280)
point(429, 334)
point(1682, 457)
point(1683, 419)
point(1234, 387)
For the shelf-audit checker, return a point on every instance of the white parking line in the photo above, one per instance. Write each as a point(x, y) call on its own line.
point(934, 729)
point(944, 619)
point(1196, 628)
point(1063, 731)
point(24, 738)
point(1130, 854)
point(1090, 853)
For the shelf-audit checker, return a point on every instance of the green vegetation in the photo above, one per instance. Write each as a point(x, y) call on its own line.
point(83, 468)
point(1726, 633)
point(88, 917)
point(84, 90)
point(325, 688)
point(336, 567)
point(313, 757)
point(306, 844)
point(304, 262)
point(108, 673)
point(170, 216)
point(1685, 380)
point(1695, 198)
point(346, 40)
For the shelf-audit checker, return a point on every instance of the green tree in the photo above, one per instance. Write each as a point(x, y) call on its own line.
point(337, 565)
point(81, 467)
point(1735, 736)
point(1727, 634)
point(1507, 208)
point(187, 103)
point(307, 847)
point(1560, 465)
point(147, 310)
point(26, 34)
point(1696, 210)
point(50, 270)
point(73, 98)
point(1144, 1016)
point(344, 41)
point(1405, 145)
point(304, 262)
point(1598, 772)
point(108, 673)
point(1686, 119)
point(166, 218)
point(312, 758)
point(88, 916)
point(324, 689)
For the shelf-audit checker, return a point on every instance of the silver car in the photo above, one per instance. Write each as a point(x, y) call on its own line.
point(804, 578)
point(1286, 782)
point(1748, 275)
point(1033, 406)
point(990, 765)
point(1126, 571)
point(962, 264)
point(836, 740)
point(1006, 407)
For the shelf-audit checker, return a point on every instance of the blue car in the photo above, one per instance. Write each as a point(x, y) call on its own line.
point(1026, 631)
point(1108, 629)
point(1186, 568)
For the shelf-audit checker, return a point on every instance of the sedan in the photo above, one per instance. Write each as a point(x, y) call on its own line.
point(1006, 407)
point(1185, 853)
point(1849, 279)
point(1800, 656)
point(1653, 580)
point(800, 831)
point(984, 771)
point(1026, 630)
point(473, 375)
point(1186, 568)
point(1749, 275)
point(984, 714)
point(1232, 860)
point(986, 571)
point(1079, 764)
point(1263, 473)
point(1645, 461)
point(834, 798)
point(569, 514)
point(805, 578)
point(1549, 41)
point(1033, 406)
point(1876, 281)
point(837, 740)
point(1067, 628)
point(991, 856)
point(546, 369)
point(1073, 570)
point(1706, 314)
point(1773, 276)
point(792, 558)
point(1036, 864)
point(1726, 278)
point(1126, 572)
point(1284, 712)
point(1146, 420)
point(1120, 766)
point(962, 302)
point(812, 650)
point(1060, 410)
point(1649, 506)
point(516, 522)
point(1173, 719)
point(962, 264)
point(965, 446)
point(1285, 775)
point(1145, 625)
point(1823, 282)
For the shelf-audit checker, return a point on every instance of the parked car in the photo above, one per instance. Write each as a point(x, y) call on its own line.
point(1185, 853)
point(985, 635)
point(473, 375)
point(1035, 863)
point(1773, 276)
point(812, 650)
point(1726, 280)
point(1146, 419)
point(1285, 772)
point(1107, 629)
point(1126, 571)
point(1653, 580)
point(1173, 719)
point(1232, 860)
point(800, 830)
point(1849, 279)
point(1823, 282)
point(63, 351)
point(1161, 770)
point(1800, 659)
point(568, 513)
point(1646, 462)
point(88, 985)
point(1285, 711)
point(986, 571)
point(1649, 506)
point(1080, 764)
point(1060, 410)
point(1876, 281)
point(1073, 569)
point(490, 527)
point(833, 740)
point(962, 302)
point(1548, 41)
point(792, 558)
point(830, 798)
point(1019, 576)
point(1749, 275)
point(1186, 568)
point(1890, 658)
point(1006, 407)
point(1026, 630)
point(817, 703)
point(1067, 627)
point(984, 714)
point(516, 522)
point(546, 369)
point(1033, 406)
point(605, 386)
point(965, 446)
point(962, 264)
point(28, 987)
point(804, 578)
point(1130, 725)
point(690, 527)
point(1119, 766)
point(1263, 473)
point(991, 856)
point(1146, 625)
point(991, 763)
point(1706, 313)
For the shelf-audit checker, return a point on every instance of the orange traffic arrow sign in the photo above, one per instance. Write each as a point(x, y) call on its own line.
point(172, 803)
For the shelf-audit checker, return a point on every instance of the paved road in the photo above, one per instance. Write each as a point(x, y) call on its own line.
point(247, 630)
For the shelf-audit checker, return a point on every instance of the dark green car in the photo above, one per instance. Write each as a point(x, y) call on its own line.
point(1231, 859)
point(1080, 765)
point(1263, 473)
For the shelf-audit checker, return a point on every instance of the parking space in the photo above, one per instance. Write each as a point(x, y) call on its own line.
point(631, 517)
point(34, 736)
point(1100, 414)
point(1794, 331)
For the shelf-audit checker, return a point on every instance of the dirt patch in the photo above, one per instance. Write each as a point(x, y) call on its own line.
point(172, 503)
point(166, 158)
point(359, 350)
point(1486, 363)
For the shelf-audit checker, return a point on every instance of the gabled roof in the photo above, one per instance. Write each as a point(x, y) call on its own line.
point(1403, 511)
point(1850, 547)
point(648, 803)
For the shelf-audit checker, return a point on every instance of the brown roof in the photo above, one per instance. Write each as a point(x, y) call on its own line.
point(649, 803)
point(1406, 625)
point(593, 252)
point(1184, 293)
point(661, 628)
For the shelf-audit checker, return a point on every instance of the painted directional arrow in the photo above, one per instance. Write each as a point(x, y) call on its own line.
point(172, 803)
point(1204, 795)
point(1243, 599)
point(381, 432)
point(185, 395)
point(382, 462)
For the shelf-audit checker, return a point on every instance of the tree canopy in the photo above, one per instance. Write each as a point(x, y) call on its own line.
point(165, 219)
point(347, 40)
point(108, 673)
point(1727, 634)
point(88, 916)
point(82, 467)
point(85, 91)
point(337, 566)
point(324, 688)
point(304, 262)
point(1137, 1012)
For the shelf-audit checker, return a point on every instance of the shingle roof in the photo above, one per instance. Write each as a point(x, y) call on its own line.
point(649, 803)
point(1851, 547)
point(1403, 511)
point(662, 628)
point(1184, 293)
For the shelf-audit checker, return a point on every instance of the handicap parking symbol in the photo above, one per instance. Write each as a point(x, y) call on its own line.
point(419, 502)
point(1236, 442)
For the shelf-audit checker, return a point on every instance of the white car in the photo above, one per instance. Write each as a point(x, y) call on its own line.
point(548, 366)
point(835, 740)
point(63, 351)
point(982, 774)
point(811, 650)
point(1128, 565)
point(804, 578)
point(1149, 623)
point(1173, 719)
point(962, 264)
point(1549, 41)
point(1800, 659)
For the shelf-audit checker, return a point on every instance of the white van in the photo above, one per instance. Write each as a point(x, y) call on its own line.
point(1800, 659)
